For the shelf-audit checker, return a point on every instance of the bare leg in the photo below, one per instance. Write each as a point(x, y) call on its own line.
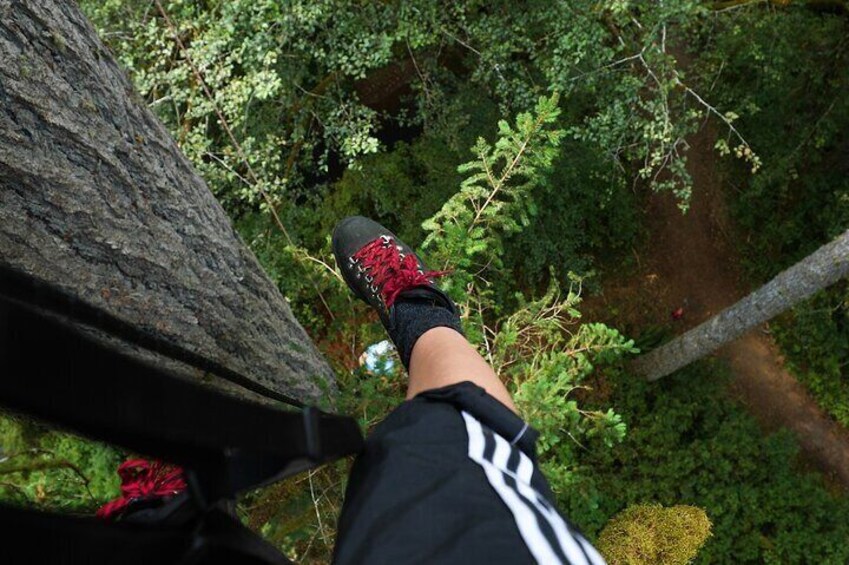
point(443, 357)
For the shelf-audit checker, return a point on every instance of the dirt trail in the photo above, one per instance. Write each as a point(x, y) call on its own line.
point(690, 264)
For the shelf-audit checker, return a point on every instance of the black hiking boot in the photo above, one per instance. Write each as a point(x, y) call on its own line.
point(385, 273)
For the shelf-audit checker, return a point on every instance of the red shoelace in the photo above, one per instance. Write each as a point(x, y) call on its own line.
point(141, 479)
point(389, 272)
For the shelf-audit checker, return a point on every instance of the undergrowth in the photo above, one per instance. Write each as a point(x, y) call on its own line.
point(788, 71)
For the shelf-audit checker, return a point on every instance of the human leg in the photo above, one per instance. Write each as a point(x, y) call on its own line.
point(421, 320)
point(450, 475)
point(442, 357)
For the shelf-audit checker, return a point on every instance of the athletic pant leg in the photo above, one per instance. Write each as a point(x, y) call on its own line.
point(450, 477)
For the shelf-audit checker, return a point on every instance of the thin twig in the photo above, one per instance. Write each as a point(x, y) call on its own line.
point(46, 465)
point(317, 511)
point(419, 72)
point(735, 5)
point(814, 128)
point(495, 66)
point(607, 66)
point(332, 271)
point(221, 162)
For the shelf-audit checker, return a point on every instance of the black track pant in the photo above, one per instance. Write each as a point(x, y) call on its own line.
point(450, 477)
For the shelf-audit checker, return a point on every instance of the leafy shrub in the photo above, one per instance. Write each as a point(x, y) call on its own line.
point(815, 338)
point(652, 534)
point(54, 470)
point(295, 81)
point(689, 444)
point(582, 213)
point(539, 349)
point(787, 71)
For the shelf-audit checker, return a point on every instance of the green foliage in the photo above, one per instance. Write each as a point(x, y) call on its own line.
point(690, 444)
point(495, 197)
point(788, 71)
point(422, 172)
point(583, 212)
point(652, 534)
point(538, 348)
point(54, 470)
point(815, 337)
point(546, 363)
point(295, 81)
point(549, 378)
point(320, 129)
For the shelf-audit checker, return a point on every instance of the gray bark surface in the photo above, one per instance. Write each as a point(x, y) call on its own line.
point(96, 197)
point(825, 266)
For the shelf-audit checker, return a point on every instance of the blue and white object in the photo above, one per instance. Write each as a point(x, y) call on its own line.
point(379, 358)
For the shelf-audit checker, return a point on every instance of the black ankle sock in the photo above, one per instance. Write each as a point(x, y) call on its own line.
point(412, 317)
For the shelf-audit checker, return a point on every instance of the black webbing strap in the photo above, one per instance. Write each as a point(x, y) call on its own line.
point(38, 538)
point(51, 371)
point(19, 286)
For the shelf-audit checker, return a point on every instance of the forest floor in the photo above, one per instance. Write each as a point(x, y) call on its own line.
point(690, 263)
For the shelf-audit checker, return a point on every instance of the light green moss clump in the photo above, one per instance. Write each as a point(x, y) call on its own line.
point(652, 534)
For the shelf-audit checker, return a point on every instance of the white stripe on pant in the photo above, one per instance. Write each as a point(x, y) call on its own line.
point(523, 501)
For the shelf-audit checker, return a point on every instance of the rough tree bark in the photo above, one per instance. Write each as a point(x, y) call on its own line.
point(96, 197)
point(823, 267)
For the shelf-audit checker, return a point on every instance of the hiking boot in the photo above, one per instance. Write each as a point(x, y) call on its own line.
point(384, 272)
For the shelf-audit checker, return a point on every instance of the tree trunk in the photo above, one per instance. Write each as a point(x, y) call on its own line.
point(823, 267)
point(96, 198)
